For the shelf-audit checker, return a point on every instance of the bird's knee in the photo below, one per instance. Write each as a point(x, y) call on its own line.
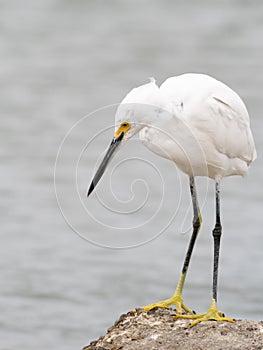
point(217, 231)
point(197, 222)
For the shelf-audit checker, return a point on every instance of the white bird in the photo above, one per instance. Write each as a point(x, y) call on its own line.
point(203, 126)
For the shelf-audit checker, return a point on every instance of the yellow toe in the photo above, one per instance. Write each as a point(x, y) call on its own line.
point(212, 314)
point(176, 300)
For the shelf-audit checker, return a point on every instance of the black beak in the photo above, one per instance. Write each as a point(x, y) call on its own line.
point(111, 151)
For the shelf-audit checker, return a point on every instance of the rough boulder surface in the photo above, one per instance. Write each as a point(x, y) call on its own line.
point(157, 329)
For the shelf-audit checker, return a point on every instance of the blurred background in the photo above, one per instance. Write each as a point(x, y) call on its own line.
point(60, 60)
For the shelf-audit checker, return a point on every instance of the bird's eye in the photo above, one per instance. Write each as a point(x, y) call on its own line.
point(124, 125)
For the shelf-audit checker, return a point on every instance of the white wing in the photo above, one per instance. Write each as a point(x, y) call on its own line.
point(231, 134)
point(214, 112)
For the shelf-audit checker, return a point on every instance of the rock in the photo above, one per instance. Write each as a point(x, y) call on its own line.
point(157, 329)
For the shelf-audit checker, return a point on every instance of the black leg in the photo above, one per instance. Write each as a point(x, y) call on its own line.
point(217, 231)
point(177, 298)
point(196, 225)
point(197, 220)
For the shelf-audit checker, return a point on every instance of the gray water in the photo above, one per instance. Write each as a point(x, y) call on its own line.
point(63, 60)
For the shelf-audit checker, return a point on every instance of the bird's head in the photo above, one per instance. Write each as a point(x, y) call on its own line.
point(138, 109)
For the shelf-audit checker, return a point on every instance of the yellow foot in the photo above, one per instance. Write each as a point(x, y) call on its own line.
point(211, 314)
point(176, 300)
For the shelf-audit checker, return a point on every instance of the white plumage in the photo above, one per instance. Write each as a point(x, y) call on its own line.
point(190, 114)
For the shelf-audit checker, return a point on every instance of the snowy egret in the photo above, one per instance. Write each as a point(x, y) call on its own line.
point(186, 114)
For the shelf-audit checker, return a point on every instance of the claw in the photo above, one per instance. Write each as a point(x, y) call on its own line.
point(160, 304)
